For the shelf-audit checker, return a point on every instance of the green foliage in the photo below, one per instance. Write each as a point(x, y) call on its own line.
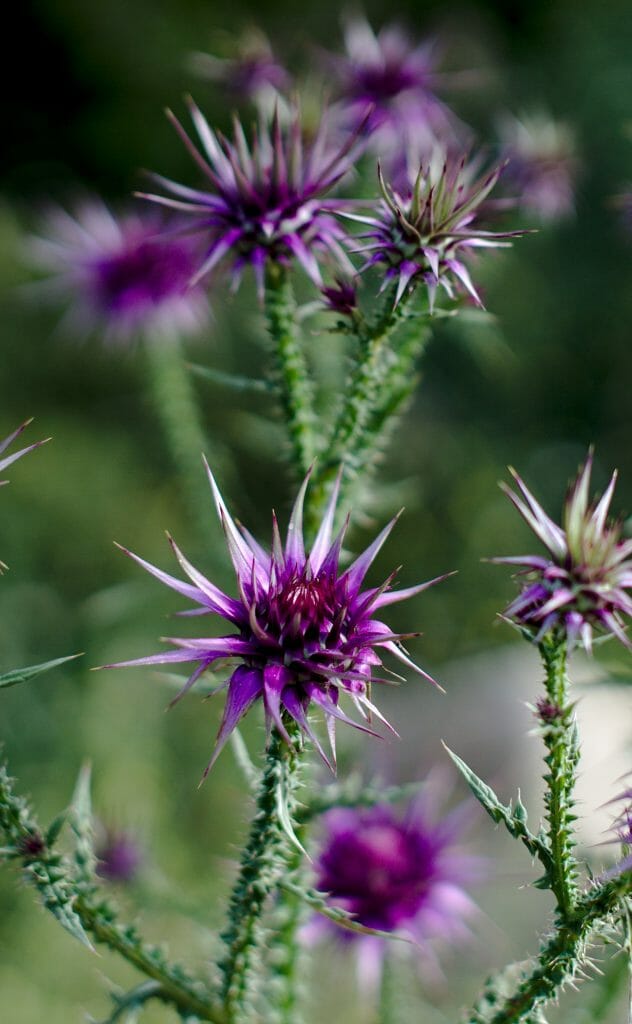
point(24, 675)
point(513, 818)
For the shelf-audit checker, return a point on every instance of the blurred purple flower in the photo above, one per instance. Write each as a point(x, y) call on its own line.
point(389, 84)
point(341, 297)
point(119, 857)
point(584, 583)
point(542, 165)
point(8, 441)
point(421, 235)
point(253, 75)
point(404, 874)
point(265, 200)
point(124, 276)
point(305, 632)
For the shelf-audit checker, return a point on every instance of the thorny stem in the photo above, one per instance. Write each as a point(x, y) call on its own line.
point(291, 373)
point(560, 958)
point(560, 738)
point(70, 901)
point(264, 861)
point(176, 405)
point(284, 948)
point(359, 399)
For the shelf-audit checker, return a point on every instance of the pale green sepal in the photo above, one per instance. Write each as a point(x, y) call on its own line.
point(23, 675)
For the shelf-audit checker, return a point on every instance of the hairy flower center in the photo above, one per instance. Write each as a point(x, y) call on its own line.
point(385, 83)
point(145, 273)
point(302, 608)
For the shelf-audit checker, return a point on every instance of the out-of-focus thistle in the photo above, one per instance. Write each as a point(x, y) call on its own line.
point(119, 856)
point(389, 83)
point(8, 441)
point(584, 583)
point(342, 296)
point(253, 74)
point(421, 235)
point(398, 873)
point(124, 276)
point(265, 200)
point(305, 632)
point(542, 165)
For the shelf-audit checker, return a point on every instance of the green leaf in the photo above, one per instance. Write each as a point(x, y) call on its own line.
point(54, 829)
point(231, 380)
point(128, 1005)
point(58, 897)
point(22, 675)
point(514, 819)
point(80, 817)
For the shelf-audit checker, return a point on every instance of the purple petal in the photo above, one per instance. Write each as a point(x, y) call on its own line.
point(245, 686)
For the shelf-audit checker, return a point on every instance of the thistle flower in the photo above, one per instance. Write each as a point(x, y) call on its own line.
point(341, 297)
point(124, 276)
point(305, 632)
point(264, 200)
point(405, 874)
point(420, 236)
point(584, 583)
point(8, 459)
point(541, 164)
point(388, 84)
point(252, 75)
point(118, 857)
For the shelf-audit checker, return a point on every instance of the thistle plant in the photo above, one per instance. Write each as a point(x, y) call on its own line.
point(365, 257)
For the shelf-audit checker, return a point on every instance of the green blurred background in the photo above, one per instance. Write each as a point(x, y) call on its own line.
point(547, 373)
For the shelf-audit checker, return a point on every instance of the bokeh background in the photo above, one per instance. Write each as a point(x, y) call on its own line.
point(545, 374)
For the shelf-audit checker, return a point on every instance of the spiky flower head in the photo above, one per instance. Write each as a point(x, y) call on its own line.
point(584, 583)
point(389, 84)
point(124, 276)
point(398, 873)
point(8, 441)
point(305, 632)
point(265, 200)
point(542, 164)
point(422, 235)
point(252, 74)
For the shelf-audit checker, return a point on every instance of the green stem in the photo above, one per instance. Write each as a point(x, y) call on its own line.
point(559, 960)
point(83, 912)
point(285, 953)
point(291, 373)
point(560, 738)
point(176, 986)
point(264, 861)
point(176, 405)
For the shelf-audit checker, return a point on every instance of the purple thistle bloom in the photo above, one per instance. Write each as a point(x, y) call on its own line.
point(388, 83)
point(304, 630)
point(542, 165)
point(8, 459)
point(118, 857)
point(265, 200)
point(124, 276)
point(421, 235)
point(253, 75)
point(403, 874)
point(584, 583)
point(341, 297)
